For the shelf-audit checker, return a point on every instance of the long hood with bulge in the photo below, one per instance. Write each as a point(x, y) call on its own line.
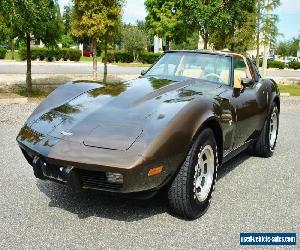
point(114, 116)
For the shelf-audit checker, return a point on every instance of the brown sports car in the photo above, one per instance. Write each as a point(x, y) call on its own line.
point(172, 127)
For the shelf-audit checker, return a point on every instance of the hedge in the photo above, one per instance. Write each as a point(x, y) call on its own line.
point(294, 65)
point(51, 54)
point(276, 64)
point(149, 57)
point(2, 53)
point(126, 57)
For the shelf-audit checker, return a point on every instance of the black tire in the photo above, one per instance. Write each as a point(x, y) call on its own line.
point(262, 146)
point(181, 193)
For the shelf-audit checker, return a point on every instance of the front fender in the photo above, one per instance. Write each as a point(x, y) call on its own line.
point(61, 95)
point(175, 139)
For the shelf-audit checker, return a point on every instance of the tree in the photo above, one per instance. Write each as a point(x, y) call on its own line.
point(288, 48)
point(202, 16)
point(67, 18)
point(30, 18)
point(134, 40)
point(54, 27)
point(191, 43)
point(164, 18)
point(225, 24)
point(269, 28)
point(234, 26)
point(96, 19)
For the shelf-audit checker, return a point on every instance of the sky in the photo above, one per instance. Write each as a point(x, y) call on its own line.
point(288, 12)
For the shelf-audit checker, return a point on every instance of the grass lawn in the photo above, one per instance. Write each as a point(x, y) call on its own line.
point(90, 59)
point(36, 92)
point(294, 90)
point(9, 56)
point(132, 64)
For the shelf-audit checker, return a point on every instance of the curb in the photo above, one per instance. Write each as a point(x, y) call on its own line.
point(15, 100)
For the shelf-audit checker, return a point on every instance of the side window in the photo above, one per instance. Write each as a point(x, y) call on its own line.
point(241, 70)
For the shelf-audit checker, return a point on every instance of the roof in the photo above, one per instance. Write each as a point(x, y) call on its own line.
point(216, 52)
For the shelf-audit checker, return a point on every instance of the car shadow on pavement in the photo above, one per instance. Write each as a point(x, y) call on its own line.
point(232, 164)
point(97, 204)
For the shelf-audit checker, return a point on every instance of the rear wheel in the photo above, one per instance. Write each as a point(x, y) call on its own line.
point(266, 142)
point(190, 192)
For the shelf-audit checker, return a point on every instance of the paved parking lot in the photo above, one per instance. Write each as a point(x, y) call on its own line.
point(252, 195)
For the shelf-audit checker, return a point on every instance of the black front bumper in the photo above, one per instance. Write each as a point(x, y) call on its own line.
point(76, 178)
point(82, 177)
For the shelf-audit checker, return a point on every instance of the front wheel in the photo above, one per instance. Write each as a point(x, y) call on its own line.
point(190, 192)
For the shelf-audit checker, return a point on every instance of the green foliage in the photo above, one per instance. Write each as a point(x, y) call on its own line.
point(95, 18)
point(37, 17)
point(294, 65)
point(272, 64)
point(288, 48)
point(67, 41)
point(191, 43)
point(126, 57)
point(2, 53)
point(119, 56)
point(67, 18)
point(294, 90)
point(165, 18)
point(55, 28)
point(149, 57)
point(51, 54)
point(275, 64)
point(71, 54)
point(134, 41)
point(4, 30)
point(268, 21)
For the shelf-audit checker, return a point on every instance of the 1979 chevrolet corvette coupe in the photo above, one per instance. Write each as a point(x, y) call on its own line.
point(172, 127)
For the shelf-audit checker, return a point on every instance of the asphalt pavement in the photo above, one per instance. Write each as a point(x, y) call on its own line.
point(11, 67)
point(252, 195)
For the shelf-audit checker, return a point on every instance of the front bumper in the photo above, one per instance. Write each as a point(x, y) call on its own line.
point(81, 175)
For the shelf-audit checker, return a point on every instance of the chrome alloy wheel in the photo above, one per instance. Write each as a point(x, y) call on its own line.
point(204, 173)
point(273, 128)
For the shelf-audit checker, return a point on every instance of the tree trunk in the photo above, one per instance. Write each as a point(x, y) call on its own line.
point(94, 49)
point(28, 72)
point(205, 43)
point(258, 31)
point(266, 42)
point(105, 61)
point(12, 46)
point(205, 40)
point(167, 44)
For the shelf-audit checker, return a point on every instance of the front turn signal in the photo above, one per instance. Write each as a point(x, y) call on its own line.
point(155, 171)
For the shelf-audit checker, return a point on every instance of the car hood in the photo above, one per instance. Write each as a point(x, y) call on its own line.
point(113, 116)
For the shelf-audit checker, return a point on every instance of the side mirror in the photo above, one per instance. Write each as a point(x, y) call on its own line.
point(143, 72)
point(247, 82)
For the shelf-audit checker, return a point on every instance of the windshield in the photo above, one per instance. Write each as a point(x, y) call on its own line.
point(178, 65)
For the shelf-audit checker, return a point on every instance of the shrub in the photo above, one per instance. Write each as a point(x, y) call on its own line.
point(2, 53)
point(123, 56)
point(75, 55)
point(294, 65)
point(126, 57)
point(276, 64)
point(149, 57)
point(51, 54)
point(119, 56)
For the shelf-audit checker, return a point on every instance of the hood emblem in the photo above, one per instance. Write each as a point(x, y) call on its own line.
point(66, 133)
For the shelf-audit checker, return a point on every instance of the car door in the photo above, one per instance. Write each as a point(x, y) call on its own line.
point(244, 102)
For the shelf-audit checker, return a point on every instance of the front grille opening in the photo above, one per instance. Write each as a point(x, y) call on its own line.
point(96, 180)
